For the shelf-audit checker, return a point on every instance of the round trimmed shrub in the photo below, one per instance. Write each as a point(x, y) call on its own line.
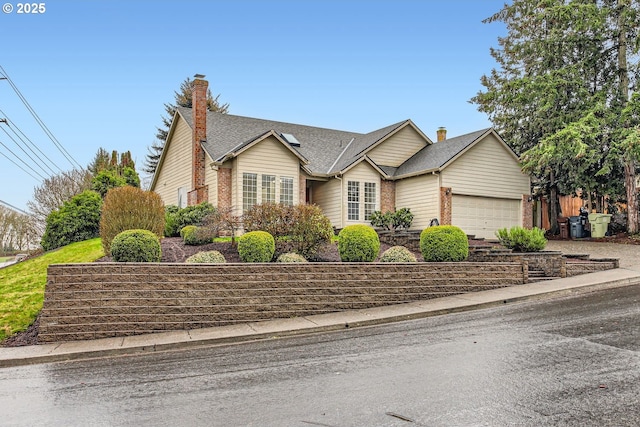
point(397, 254)
point(291, 257)
point(444, 243)
point(256, 246)
point(136, 246)
point(207, 257)
point(187, 229)
point(358, 243)
point(195, 236)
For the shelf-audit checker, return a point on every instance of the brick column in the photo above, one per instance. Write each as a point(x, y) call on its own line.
point(302, 190)
point(445, 205)
point(224, 188)
point(199, 134)
point(527, 211)
point(387, 196)
point(197, 196)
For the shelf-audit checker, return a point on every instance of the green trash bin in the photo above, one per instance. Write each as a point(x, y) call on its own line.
point(599, 224)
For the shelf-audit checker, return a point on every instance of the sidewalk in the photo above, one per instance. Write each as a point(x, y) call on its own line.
point(17, 356)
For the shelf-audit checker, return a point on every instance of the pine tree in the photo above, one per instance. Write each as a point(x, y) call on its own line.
point(183, 98)
point(558, 95)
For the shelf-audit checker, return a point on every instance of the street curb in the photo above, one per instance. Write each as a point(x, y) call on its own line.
point(280, 328)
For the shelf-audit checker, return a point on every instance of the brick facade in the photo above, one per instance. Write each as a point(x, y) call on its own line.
point(302, 190)
point(387, 196)
point(99, 300)
point(224, 188)
point(527, 211)
point(199, 193)
point(445, 205)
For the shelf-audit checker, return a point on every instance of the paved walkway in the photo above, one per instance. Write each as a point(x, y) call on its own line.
point(627, 275)
point(6, 264)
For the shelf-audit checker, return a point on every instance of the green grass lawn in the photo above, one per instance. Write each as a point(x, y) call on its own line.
point(22, 285)
point(6, 258)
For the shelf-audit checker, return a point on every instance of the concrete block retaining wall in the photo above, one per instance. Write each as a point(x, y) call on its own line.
point(591, 266)
point(88, 301)
point(551, 263)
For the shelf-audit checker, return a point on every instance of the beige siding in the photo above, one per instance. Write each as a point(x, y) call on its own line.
point(397, 149)
point(421, 195)
point(487, 169)
point(361, 173)
point(328, 196)
point(175, 171)
point(211, 179)
point(268, 157)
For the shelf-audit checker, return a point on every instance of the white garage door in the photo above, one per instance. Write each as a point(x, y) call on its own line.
point(482, 216)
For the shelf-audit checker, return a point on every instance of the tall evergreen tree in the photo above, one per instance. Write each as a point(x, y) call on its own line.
point(558, 93)
point(183, 98)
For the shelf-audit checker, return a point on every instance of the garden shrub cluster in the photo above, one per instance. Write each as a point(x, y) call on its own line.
point(76, 220)
point(444, 243)
point(136, 246)
point(358, 243)
point(401, 219)
point(129, 208)
point(256, 246)
point(521, 239)
point(207, 257)
point(291, 257)
point(398, 254)
point(299, 228)
point(176, 219)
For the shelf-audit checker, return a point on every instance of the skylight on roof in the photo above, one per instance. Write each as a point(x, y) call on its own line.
point(291, 139)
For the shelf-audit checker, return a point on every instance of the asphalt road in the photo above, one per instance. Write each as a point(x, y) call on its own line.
point(573, 361)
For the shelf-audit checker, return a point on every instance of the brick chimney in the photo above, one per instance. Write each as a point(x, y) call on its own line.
point(199, 192)
point(442, 134)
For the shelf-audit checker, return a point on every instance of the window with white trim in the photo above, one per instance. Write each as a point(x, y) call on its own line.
point(268, 189)
point(369, 199)
point(249, 190)
point(286, 190)
point(353, 200)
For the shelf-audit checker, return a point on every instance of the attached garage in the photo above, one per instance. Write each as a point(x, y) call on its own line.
point(482, 216)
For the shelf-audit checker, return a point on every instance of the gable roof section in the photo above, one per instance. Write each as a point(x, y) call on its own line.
point(246, 145)
point(368, 142)
point(437, 156)
point(227, 133)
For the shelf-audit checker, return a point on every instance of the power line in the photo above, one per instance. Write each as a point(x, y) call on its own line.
point(23, 169)
point(27, 154)
point(9, 205)
point(23, 162)
point(28, 143)
point(44, 127)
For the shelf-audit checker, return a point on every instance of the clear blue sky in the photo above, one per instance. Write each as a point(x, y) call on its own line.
point(99, 72)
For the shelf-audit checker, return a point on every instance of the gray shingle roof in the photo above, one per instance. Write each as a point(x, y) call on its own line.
point(327, 150)
point(227, 133)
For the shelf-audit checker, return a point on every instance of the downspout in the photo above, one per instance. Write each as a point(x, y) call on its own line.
point(341, 201)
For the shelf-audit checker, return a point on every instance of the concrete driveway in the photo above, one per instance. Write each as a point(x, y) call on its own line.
point(629, 255)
